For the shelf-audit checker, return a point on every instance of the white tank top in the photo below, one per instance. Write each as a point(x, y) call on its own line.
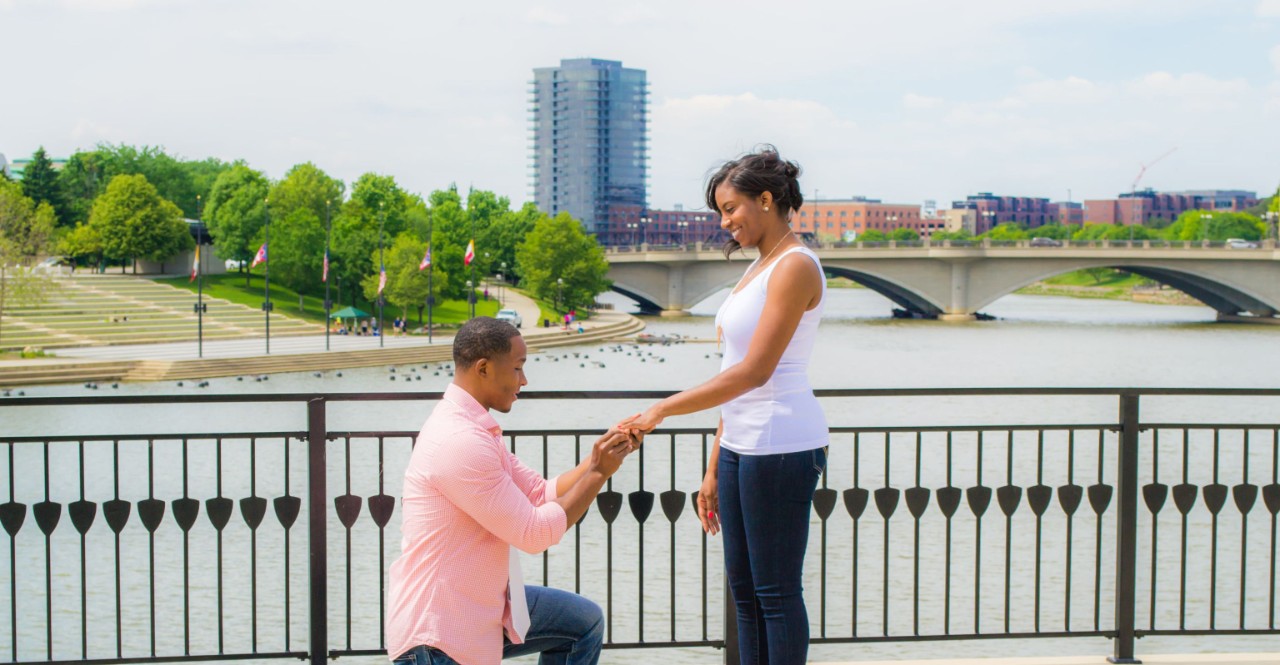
point(781, 416)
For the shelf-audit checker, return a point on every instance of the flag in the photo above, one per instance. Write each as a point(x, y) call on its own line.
point(426, 260)
point(260, 257)
point(471, 253)
point(195, 265)
point(382, 280)
point(324, 276)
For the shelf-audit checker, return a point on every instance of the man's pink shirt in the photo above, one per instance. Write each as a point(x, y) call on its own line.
point(466, 500)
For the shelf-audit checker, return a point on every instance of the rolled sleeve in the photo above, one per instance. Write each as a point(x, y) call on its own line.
point(475, 479)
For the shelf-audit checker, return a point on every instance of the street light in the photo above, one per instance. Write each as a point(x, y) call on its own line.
point(471, 297)
point(1272, 218)
point(502, 282)
point(559, 292)
point(989, 214)
point(684, 232)
point(644, 226)
point(1204, 228)
point(632, 226)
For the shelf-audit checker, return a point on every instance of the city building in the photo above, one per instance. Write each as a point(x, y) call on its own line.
point(991, 211)
point(589, 123)
point(1070, 213)
point(671, 227)
point(1148, 206)
point(14, 169)
point(848, 218)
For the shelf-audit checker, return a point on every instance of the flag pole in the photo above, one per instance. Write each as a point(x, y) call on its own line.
point(431, 294)
point(328, 305)
point(382, 270)
point(266, 272)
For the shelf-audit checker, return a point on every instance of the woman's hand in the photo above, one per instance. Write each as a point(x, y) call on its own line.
point(709, 504)
point(642, 423)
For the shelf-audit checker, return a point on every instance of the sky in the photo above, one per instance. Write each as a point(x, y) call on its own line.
point(898, 100)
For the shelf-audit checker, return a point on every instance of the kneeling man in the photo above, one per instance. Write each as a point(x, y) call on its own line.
point(455, 592)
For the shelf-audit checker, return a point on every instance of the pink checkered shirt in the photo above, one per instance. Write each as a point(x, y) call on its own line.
point(466, 500)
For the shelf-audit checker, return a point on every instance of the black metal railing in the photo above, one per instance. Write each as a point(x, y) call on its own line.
point(184, 546)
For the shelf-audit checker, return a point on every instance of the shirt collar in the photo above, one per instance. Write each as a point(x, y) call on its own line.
point(471, 408)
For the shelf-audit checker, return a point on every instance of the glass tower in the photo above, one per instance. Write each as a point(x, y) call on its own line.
point(589, 120)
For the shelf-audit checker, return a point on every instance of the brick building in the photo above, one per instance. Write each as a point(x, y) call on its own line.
point(1148, 206)
point(662, 227)
point(849, 218)
point(990, 210)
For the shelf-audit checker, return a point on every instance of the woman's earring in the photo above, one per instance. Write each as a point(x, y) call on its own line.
point(766, 208)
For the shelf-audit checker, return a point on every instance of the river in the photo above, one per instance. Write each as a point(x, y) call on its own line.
point(1036, 341)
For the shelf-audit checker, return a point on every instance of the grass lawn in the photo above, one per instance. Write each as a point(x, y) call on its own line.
point(230, 286)
point(1112, 279)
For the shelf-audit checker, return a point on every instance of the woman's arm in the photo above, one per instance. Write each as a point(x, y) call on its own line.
point(709, 495)
point(794, 287)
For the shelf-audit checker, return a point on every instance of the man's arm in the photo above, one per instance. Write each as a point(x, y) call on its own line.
point(577, 488)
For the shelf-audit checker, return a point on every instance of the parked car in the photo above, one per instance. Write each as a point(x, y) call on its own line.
point(1239, 243)
point(1045, 242)
point(510, 316)
point(236, 264)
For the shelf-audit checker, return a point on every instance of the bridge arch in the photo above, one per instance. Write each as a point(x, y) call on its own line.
point(908, 299)
point(1215, 291)
point(647, 304)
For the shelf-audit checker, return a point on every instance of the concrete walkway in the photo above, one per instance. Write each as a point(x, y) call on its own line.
point(1147, 659)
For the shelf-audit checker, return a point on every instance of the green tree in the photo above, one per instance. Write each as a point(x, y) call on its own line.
point(376, 200)
point(81, 242)
point(26, 225)
point(1197, 225)
point(872, 235)
point(306, 186)
point(406, 285)
point(40, 183)
point(960, 234)
point(505, 234)
point(297, 250)
point(135, 222)
point(1055, 231)
point(1006, 231)
point(235, 212)
point(558, 249)
point(904, 234)
point(82, 179)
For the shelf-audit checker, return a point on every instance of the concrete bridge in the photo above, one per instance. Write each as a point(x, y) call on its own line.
point(955, 282)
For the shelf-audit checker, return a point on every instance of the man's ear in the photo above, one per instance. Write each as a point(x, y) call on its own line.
point(482, 367)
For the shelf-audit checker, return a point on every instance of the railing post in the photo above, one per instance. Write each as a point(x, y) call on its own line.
point(1126, 531)
point(317, 532)
point(731, 655)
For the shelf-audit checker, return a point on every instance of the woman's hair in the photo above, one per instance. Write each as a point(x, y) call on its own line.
point(754, 174)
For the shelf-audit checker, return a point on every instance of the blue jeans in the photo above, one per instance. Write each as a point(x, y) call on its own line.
point(564, 627)
point(764, 515)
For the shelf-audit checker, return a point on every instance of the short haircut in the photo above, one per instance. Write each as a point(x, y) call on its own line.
point(482, 337)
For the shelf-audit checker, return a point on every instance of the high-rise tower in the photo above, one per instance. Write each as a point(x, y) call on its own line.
point(589, 143)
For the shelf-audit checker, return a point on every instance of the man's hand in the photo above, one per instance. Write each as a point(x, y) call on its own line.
point(609, 450)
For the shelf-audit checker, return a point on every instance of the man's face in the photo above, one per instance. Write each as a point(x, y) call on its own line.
point(504, 376)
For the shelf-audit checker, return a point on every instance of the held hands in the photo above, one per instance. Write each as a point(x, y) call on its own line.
point(609, 450)
point(641, 423)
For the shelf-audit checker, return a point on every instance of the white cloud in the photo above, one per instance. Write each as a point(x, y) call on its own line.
point(915, 102)
point(1269, 8)
point(1275, 57)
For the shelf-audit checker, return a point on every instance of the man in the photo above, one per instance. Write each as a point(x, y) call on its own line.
point(454, 593)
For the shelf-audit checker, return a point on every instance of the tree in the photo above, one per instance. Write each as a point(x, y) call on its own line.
point(406, 285)
point(235, 213)
point(306, 186)
point(960, 234)
point(558, 249)
point(1197, 225)
point(26, 226)
point(82, 179)
point(505, 234)
point(904, 234)
point(1006, 231)
point(83, 241)
point(40, 183)
point(1055, 231)
point(134, 221)
point(375, 199)
point(297, 250)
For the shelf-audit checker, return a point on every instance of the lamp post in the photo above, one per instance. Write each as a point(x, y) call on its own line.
point(684, 233)
point(382, 268)
point(328, 304)
point(1272, 231)
point(1204, 228)
point(631, 231)
point(200, 306)
point(431, 294)
point(644, 229)
point(989, 215)
point(471, 297)
point(502, 283)
point(559, 292)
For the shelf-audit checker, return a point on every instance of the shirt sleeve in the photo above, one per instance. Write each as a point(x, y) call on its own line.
point(538, 489)
point(473, 477)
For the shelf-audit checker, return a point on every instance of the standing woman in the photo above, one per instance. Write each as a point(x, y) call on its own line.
point(771, 445)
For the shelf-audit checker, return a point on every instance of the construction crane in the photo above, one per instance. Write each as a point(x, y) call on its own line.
point(1133, 189)
point(1143, 170)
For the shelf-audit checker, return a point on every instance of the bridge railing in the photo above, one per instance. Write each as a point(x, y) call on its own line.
point(986, 243)
point(272, 539)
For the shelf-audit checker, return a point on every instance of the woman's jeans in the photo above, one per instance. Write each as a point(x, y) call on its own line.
point(765, 502)
point(564, 628)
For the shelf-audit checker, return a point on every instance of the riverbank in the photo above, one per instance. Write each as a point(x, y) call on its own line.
point(1130, 288)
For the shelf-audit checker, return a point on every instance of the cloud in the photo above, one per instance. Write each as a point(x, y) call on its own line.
point(542, 16)
point(1269, 8)
point(913, 101)
point(1275, 57)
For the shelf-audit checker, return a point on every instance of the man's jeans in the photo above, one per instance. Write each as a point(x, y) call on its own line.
point(564, 627)
point(764, 515)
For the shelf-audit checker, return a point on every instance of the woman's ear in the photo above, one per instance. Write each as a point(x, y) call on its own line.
point(766, 200)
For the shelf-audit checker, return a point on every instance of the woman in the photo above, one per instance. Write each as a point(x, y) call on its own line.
point(770, 447)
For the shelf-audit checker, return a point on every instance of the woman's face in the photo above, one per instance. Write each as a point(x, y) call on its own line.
point(743, 216)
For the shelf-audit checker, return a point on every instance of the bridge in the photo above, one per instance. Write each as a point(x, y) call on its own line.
point(953, 282)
